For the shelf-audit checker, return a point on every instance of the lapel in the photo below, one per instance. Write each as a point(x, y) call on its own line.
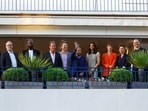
point(27, 52)
point(55, 57)
point(68, 56)
point(50, 58)
point(8, 56)
point(34, 52)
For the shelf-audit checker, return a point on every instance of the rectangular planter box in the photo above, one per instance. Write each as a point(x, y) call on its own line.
point(73, 85)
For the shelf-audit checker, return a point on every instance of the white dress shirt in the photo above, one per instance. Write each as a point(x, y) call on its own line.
point(52, 57)
point(13, 59)
point(30, 54)
point(64, 60)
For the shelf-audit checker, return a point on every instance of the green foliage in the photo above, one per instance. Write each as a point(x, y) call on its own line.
point(139, 58)
point(15, 74)
point(55, 74)
point(35, 64)
point(120, 75)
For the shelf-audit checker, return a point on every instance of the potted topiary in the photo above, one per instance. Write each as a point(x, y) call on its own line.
point(55, 74)
point(120, 75)
point(15, 74)
point(35, 65)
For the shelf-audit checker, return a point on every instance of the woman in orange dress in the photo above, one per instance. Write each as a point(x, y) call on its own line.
point(108, 61)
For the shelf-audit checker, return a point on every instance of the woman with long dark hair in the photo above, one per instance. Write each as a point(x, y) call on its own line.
point(93, 59)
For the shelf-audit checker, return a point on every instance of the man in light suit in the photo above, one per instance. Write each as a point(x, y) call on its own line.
point(53, 56)
point(66, 57)
point(30, 51)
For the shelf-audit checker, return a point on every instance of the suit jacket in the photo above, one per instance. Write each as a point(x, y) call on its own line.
point(107, 61)
point(6, 60)
point(58, 60)
point(0, 59)
point(35, 52)
point(0, 66)
point(122, 61)
point(68, 59)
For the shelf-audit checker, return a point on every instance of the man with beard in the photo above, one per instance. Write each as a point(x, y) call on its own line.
point(79, 65)
point(141, 75)
point(30, 51)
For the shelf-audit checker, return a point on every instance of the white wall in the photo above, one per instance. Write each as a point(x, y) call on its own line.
point(74, 20)
point(74, 100)
point(75, 31)
point(85, 26)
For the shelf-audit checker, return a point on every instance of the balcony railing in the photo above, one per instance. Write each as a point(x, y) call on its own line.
point(83, 6)
point(53, 79)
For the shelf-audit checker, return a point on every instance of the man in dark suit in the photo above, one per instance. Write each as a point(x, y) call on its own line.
point(9, 58)
point(122, 61)
point(30, 51)
point(53, 56)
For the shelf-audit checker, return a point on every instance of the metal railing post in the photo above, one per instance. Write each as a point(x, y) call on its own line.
point(44, 85)
point(86, 84)
point(44, 81)
point(2, 84)
point(129, 84)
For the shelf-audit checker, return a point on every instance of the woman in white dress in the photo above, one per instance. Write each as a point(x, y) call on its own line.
point(93, 59)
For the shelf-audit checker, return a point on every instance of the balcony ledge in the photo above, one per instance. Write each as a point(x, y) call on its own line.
point(73, 20)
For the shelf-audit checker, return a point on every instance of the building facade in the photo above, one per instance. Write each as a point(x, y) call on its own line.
point(116, 21)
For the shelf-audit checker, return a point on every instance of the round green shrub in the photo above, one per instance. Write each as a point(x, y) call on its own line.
point(120, 75)
point(15, 74)
point(55, 74)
